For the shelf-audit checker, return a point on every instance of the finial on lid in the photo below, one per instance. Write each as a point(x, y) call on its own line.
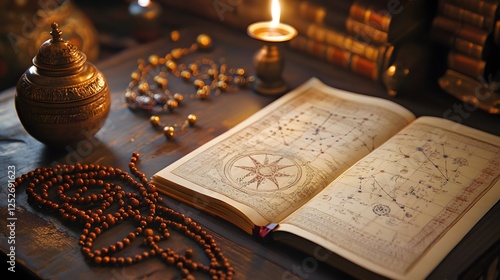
point(56, 33)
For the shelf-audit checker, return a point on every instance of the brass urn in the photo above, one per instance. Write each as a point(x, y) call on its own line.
point(62, 99)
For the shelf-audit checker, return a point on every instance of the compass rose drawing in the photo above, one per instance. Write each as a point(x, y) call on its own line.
point(263, 172)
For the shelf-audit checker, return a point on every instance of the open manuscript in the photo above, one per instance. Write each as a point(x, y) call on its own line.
point(359, 176)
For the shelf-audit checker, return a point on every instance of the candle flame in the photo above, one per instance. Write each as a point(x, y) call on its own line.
point(276, 12)
point(143, 3)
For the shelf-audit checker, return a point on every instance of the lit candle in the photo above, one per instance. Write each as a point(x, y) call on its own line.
point(274, 30)
point(268, 61)
point(145, 19)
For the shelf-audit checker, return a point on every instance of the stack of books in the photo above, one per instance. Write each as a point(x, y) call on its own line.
point(360, 35)
point(467, 28)
point(469, 31)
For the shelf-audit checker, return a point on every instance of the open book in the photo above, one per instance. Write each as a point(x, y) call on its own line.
point(359, 176)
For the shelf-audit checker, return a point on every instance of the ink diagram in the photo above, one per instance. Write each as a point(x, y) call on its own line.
point(395, 203)
point(281, 160)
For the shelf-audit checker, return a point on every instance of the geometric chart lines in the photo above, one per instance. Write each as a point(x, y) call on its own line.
point(405, 194)
point(315, 131)
point(416, 176)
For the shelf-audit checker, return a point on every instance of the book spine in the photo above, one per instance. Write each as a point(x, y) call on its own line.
point(460, 37)
point(472, 67)
point(487, 8)
point(337, 56)
point(332, 14)
point(312, 12)
point(465, 31)
point(367, 14)
point(473, 50)
point(364, 67)
point(365, 32)
point(465, 16)
point(330, 36)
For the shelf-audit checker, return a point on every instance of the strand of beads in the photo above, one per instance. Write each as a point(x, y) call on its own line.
point(148, 89)
point(95, 189)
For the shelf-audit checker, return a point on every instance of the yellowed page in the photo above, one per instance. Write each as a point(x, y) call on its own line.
point(279, 158)
point(400, 210)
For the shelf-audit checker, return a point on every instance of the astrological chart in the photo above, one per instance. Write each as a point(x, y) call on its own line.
point(399, 200)
point(284, 157)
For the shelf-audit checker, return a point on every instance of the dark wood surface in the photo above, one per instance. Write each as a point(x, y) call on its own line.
point(48, 248)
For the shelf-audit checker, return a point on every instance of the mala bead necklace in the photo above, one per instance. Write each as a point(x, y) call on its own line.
point(86, 193)
point(148, 89)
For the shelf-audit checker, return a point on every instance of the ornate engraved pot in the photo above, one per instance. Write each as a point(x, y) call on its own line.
point(62, 98)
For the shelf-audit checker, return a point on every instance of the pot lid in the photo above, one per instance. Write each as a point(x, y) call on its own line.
point(57, 56)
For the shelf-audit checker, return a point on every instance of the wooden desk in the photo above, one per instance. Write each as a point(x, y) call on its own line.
point(48, 248)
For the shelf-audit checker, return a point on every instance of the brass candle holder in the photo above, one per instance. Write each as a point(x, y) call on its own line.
point(269, 61)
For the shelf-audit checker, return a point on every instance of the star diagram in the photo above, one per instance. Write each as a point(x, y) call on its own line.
point(264, 172)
